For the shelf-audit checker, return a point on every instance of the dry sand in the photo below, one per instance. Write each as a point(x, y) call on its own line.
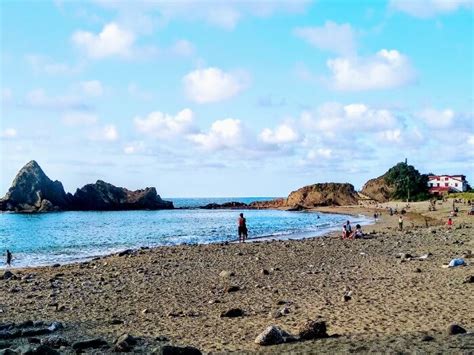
point(177, 292)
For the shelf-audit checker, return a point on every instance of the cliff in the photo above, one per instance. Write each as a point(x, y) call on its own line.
point(33, 191)
point(378, 189)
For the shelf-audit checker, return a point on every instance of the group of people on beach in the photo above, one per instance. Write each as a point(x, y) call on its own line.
point(348, 233)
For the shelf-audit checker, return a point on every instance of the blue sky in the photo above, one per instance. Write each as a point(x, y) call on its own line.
point(235, 98)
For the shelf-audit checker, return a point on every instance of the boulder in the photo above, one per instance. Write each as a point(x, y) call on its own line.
point(7, 275)
point(178, 350)
point(313, 330)
point(232, 313)
point(125, 343)
point(94, 343)
point(55, 341)
point(33, 191)
point(273, 335)
point(454, 329)
point(103, 196)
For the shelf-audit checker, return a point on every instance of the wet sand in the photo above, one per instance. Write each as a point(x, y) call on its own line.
point(178, 292)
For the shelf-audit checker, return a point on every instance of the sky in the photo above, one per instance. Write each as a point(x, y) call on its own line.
point(235, 98)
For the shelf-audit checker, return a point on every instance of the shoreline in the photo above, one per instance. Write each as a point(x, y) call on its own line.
point(272, 237)
point(180, 292)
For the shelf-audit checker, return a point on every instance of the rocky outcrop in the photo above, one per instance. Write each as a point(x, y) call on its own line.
point(103, 196)
point(33, 191)
point(326, 194)
point(225, 205)
point(378, 189)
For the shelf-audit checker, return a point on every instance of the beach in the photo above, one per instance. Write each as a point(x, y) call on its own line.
point(178, 294)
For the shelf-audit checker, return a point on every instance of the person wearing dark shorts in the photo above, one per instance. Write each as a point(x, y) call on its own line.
point(243, 232)
point(9, 258)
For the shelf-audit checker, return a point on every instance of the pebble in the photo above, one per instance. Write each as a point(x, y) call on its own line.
point(232, 313)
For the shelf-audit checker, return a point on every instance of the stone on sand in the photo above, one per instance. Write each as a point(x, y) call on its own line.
point(232, 313)
point(454, 329)
point(313, 330)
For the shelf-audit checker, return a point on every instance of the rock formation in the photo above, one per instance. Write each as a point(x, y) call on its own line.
point(326, 194)
point(33, 191)
point(378, 189)
point(103, 196)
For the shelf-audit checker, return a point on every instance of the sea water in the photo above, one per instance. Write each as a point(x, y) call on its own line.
point(65, 237)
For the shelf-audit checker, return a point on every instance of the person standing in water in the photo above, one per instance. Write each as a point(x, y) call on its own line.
point(243, 232)
point(9, 258)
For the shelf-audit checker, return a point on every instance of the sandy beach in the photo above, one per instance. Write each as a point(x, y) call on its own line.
point(177, 295)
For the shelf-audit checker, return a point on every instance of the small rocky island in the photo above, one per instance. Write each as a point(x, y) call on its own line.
point(33, 191)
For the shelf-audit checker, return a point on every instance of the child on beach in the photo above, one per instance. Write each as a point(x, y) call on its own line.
point(344, 231)
point(449, 223)
point(400, 223)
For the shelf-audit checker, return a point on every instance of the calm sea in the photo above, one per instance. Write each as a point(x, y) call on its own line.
point(64, 237)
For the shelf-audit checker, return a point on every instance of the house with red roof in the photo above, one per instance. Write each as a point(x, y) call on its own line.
point(442, 184)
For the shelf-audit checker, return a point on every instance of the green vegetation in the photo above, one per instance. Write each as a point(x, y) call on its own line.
point(409, 184)
point(464, 195)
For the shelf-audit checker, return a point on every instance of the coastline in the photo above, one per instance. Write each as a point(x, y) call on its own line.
point(82, 255)
point(177, 291)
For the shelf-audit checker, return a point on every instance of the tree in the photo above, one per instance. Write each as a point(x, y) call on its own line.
point(408, 182)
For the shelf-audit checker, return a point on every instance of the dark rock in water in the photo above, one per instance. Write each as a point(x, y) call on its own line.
point(125, 252)
point(313, 330)
point(33, 191)
point(35, 332)
point(55, 341)
point(35, 350)
point(232, 313)
point(90, 343)
point(226, 205)
point(179, 350)
point(25, 324)
point(103, 196)
point(8, 352)
point(455, 329)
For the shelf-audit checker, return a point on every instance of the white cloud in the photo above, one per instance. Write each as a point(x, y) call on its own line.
point(78, 118)
point(429, 8)
point(333, 118)
point(224, 134)
point(111, 41)
point(42, 64)
point(387, 69)
point(315, 154)
point(183, 48)
point(331, 37)
point(161, 125)
point(110, 133)
point(284, 133)
point(38, 99)
point(92, 88)
point(134, 147)
point(213, 84)
point(8, 133)
point(470, 139)
point(437, 118)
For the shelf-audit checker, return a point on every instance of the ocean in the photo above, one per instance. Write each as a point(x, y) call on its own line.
point(65, 237)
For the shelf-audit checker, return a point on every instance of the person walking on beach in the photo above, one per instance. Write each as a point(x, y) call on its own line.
point(400, 223)
point(9, 258)
point(243, 232)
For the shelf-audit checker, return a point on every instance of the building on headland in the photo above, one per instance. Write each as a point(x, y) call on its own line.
point(442, 184)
